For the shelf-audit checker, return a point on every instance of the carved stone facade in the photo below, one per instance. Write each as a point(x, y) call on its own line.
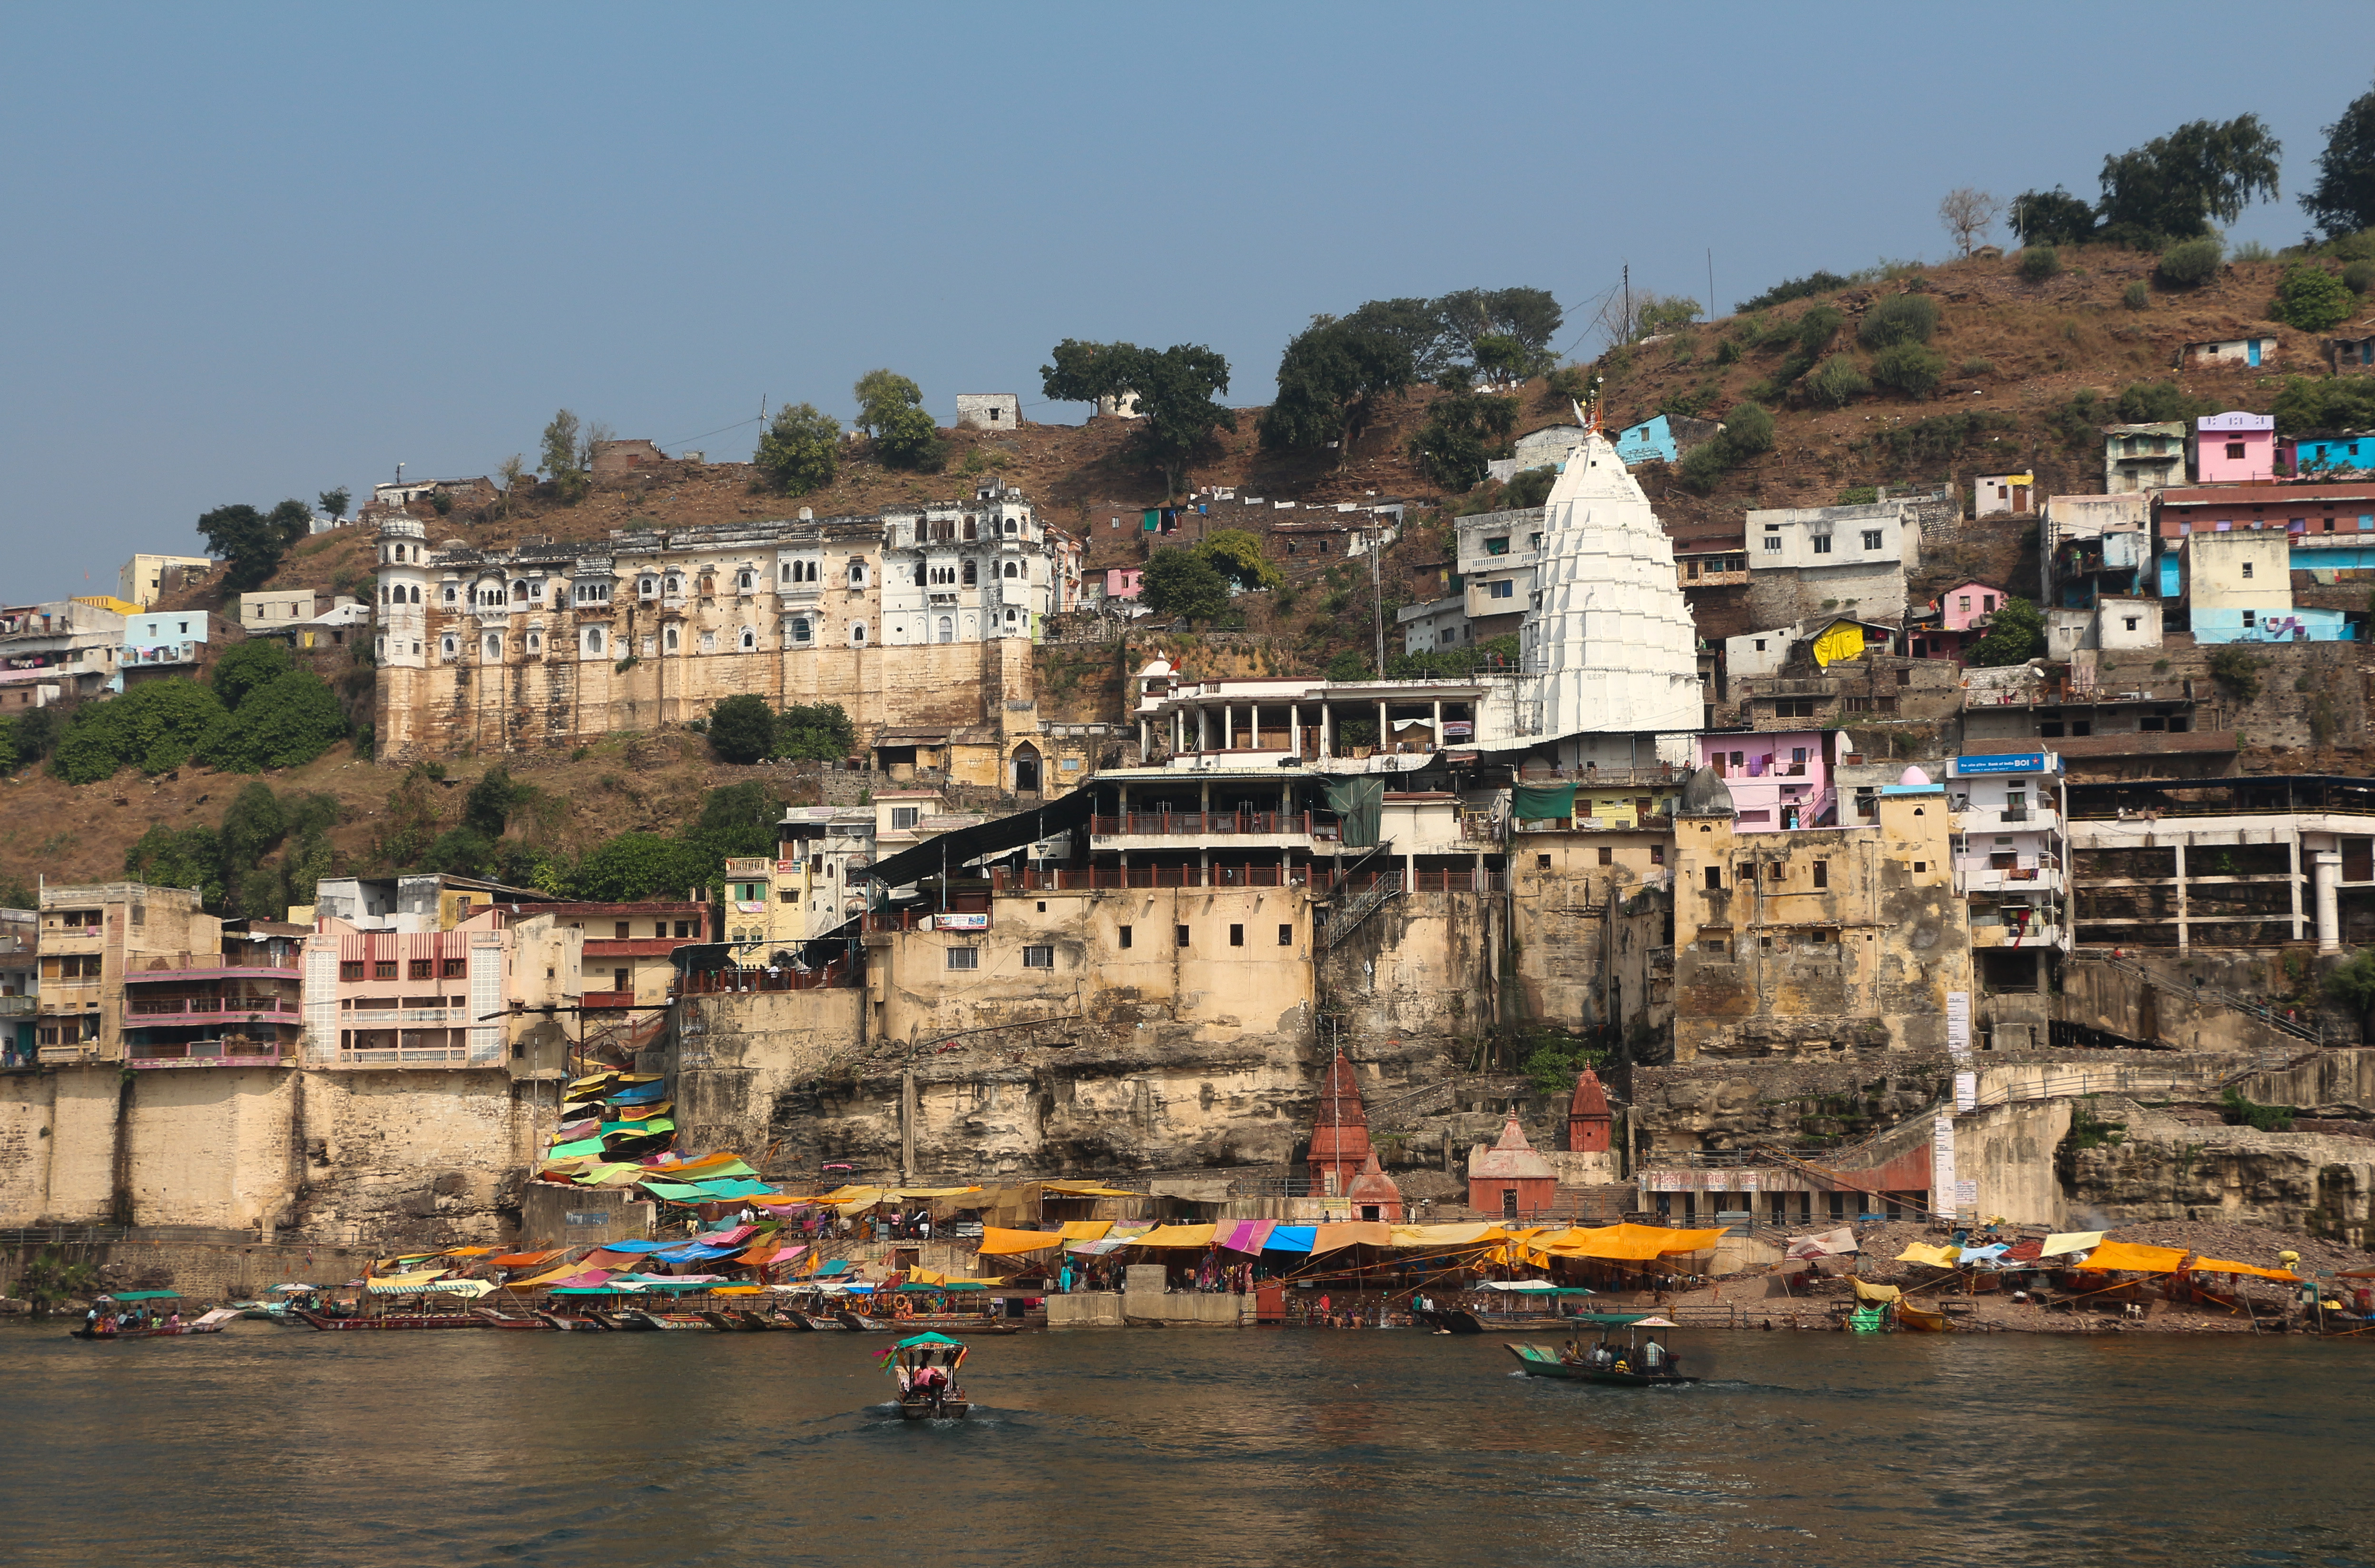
point(923, 616)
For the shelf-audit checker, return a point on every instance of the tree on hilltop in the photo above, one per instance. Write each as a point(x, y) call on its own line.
point(252, 543)
point(1967, 213)
point(2343, 199)
point(890, 409)
point(1175, 390)
point(1182, 583)
point(2174, 185)
point(800, 451)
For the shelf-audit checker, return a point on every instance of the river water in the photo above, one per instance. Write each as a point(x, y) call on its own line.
point(278, 1447)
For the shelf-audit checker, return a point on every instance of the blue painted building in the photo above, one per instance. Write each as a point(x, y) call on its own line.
point(2315, 451)
point(2299, 625)
point(1664, 439)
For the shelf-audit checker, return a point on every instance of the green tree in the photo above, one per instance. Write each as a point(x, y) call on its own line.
point(52, 1279)
point(881, 395)
point(1530, 488)
point(2353, 984)
point(2233, 667)
point(1236, 554)
point(1899, 318)
point(890, 409)
point(815, 732)
point(1333, 379)
point(284, 724)
point(641, 866)
point(2312, 298)
point(557, 451)
point(2052, 217)
point(486, 809)
point(2016, 634)
point(1909, 367)
point(461, 851)
point(2343, 199)
point(1183, 584)
point(2190, 262)
point(742, 729)
point(29, 737)
point(254, 825)
point(1463, 431)
point(2341, 403)
point(800, 451)
point(737, 820)
point(1509, 330)
point(408, 822)
point(1747, 430)
point(191, 857)
point(1176, 391)
point(336, 501)
point(1348, 666)
point(2173, 186)
point(252, 543)
point(1837, 382)
point(154, 726)
point(247, 667)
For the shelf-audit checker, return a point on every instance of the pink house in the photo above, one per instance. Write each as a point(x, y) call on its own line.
point(1121, 582)
point(1954, 621)
point(1780, 779)
point(2235, 448)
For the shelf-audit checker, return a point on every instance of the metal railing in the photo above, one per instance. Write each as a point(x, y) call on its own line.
point(1093, 878)
point(2232, 1001)
point(727, 982)
point(1207, 824)
point(156, 1007)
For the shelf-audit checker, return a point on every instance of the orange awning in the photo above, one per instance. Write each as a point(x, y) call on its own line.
point(1015, 1243)
point(1629, 1243)
point(527, 1259)
point(1353, 1233)
point(2128, 1258)
point(1169, 1236)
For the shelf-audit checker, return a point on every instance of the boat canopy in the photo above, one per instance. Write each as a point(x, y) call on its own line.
point(927, 1339)
point(143, 1296)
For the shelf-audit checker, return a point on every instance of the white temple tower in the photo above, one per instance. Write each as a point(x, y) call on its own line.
point(1609, 639)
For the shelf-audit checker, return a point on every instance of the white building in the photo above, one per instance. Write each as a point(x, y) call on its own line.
point(1608, 641)
point(1435, 627)
point(1852, 560)
point(1494, 557)
point(989, 411)
point(2011, 856)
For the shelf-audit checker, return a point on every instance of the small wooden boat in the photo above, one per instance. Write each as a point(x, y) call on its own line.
point(111, 1329)
point(636, 1320)
point(1451, 1320)
point(1542, 1360)
point(727, 1322)
point(762, 1322)
point(1919, 1319)
point(857, 1325)
point(494, 1319)
point(569, 1323)
point(395, 1320)
point(822, 1322)
point(925, 1367)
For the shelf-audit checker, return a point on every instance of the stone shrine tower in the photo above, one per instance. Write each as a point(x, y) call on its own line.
point(1587, 1118)
point(1339, 1140)
point(1510, 1179)
point(1374, 1194)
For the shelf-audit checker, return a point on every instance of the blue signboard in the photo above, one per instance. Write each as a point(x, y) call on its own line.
point(2023, 762)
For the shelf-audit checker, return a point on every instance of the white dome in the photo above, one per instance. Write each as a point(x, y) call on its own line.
point(1913, 777)
point(1158, 666)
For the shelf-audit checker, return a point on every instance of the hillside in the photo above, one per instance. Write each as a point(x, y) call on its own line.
point(2017, 351)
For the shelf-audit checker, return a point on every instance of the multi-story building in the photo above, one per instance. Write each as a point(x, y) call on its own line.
point(820, 859)
point(1777, 780)
point(159, 644)
point(1496, 563)
point(629, 949)
point(237, 1006)
point(93, 938)
point(921, 616)
point(66, 648)
point(20, 985)
point(145, 579)
point(1824, 940)
point(2141, 458)
point(2238, 588)
point(2235, 448)
point(1804, 561)
point(2093, 545)
point(2010, 856)
point(464, 995)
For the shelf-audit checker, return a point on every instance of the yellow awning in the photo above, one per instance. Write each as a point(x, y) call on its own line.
point(1945, 1254)
point(998, 1243)
point(465, 1252)
point(1447, 1235)
point(1084, 1189)
point(1628, 1242)
point(2064, 1241)
point(912, 1193)
point(2220, 1265)
point(1866, 1291)
point(1179, 1236)
point(547, 1278)
point(397, 1284)
point(1353, 1233)
point(1085, 1229)
point(2128, 1258)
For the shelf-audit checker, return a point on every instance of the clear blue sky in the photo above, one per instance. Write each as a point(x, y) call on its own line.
point(259, 252)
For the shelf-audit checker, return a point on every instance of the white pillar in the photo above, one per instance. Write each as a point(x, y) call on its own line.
point(2327, 867)
point(1385, 734)
point(1228, 726)
point(1294, 729)
point(2184, 938)
point(2294, 849)
point(1438, 723)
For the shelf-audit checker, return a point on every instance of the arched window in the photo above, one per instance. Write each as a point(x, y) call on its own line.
point(972, 529)
point(744, 581)
point(750, 639)
point(535, 643)
point(416, 593)
point(647, 587)
point(593, 638)
point(675, 585)
point(919, 574)
point(947, 629)
point(709, 641)
point(1012, 618)
point(801, 632)
point(495, 648)
point(1015, 569)
point(448, 648)
point(971, 577)
point(857, 574)
point(1012, 528)
point(671, 638)
point(857, 634)
point(449, 592)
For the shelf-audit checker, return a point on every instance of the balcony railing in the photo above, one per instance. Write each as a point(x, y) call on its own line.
point(726, 982)
point(145, 968)
point(160, 1006)
point(1203, 824)
point(213, 1054)
point(608, 999)
point(19, 1007)
point(382, 1017)
point(416, 1057)
point(1095, 878)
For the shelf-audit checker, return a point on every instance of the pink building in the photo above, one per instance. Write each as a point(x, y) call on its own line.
point(1953, 623)
point(1121, 582)
point(457, 999)
point(1780, 780)
point(2235, 448)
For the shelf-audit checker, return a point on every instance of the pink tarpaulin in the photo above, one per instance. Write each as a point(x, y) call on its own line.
point(725, 1238)
point(591, 1277)
point(1248, 1236)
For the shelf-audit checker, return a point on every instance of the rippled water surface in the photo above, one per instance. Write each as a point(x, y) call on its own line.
point(275, 1448)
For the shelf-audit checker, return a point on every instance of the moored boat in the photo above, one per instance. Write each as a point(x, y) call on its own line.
point(111, 1328)
point(1921, 1319)
point(395, 1320)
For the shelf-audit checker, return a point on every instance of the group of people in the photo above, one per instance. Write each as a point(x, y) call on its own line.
point(1656, 1361)
point(104, 1317)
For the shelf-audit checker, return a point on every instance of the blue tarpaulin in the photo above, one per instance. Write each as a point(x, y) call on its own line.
point(636, 1094)
point(1292, 1238)
point(694, 1252)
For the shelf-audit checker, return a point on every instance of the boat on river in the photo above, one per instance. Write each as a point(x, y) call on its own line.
point(926, 1366)
point(109, 1327)
point(392, 1320)
point(1543, 1360)
point(1919, 1319)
